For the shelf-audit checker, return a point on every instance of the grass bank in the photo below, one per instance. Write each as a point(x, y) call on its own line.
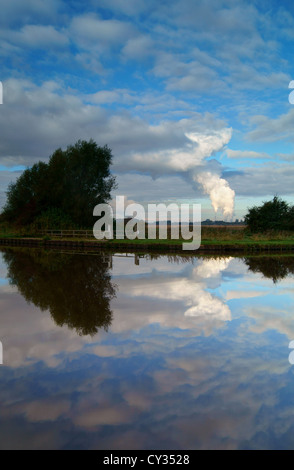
point(212, 238)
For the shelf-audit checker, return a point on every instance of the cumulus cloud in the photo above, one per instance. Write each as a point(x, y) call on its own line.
point(268, 129)
point(16, 11)
point(91, 31)
point(191, 76)
point(266, 180)
point(138, 47)
point(38, 36)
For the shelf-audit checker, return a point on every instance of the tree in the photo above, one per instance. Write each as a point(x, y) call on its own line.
point(27, 196)
point(272, 215)
point(74, 180)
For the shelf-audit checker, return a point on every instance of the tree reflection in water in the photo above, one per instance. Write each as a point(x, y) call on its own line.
point(273, 267)
point(76, 289)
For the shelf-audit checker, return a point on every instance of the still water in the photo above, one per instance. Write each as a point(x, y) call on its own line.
point(145, 352)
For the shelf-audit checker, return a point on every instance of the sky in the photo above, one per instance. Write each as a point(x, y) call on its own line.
point(191, 96)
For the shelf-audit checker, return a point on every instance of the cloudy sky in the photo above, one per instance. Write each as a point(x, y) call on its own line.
point(191, 96)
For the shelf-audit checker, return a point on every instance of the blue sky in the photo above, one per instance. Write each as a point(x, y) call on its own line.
point(191, 96)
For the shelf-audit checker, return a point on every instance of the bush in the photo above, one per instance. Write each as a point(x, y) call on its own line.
point(271, 215)
point(52, 219)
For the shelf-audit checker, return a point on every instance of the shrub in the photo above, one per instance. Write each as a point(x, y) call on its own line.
point(271, 215)
point(53, 218)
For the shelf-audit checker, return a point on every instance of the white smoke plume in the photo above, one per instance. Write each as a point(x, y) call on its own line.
point(208, 144)
point(221, 195)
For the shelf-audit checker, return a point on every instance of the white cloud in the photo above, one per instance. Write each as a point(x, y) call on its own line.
point(139, 48)
point(272, 130)
point(16, 11)
point(105, 96)
point(241, 294)
point(245, 154)
point(91, 32)
point(186, 76)
point(129, 8)
point(266, 180)
point(38, 36)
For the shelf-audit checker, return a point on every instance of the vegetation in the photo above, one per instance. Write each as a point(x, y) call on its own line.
point(271, 215)
point(224, 236)
point(63, 192)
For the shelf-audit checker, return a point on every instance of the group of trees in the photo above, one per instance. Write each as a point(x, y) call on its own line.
point(63, 191)
point(271, 215)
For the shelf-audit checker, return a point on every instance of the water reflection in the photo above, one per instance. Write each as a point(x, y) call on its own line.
point(77, 290)
point(195, 355)
point(273, 267)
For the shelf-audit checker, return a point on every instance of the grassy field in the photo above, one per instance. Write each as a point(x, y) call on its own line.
point(240, 235)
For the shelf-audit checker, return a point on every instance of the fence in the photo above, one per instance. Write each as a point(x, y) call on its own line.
point(67, 233)
point(76, 233)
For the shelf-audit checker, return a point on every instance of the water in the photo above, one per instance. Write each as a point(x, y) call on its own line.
point(128, 352)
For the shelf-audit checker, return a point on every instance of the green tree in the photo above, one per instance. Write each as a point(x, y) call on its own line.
point(74, 180)
point(271, 215)
point(289, 222)
point(27, 197)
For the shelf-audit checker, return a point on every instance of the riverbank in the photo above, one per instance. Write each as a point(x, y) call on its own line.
point(214, 239)
point(161, 246)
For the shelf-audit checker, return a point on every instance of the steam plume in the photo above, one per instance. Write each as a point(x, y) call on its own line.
point(221, 195)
